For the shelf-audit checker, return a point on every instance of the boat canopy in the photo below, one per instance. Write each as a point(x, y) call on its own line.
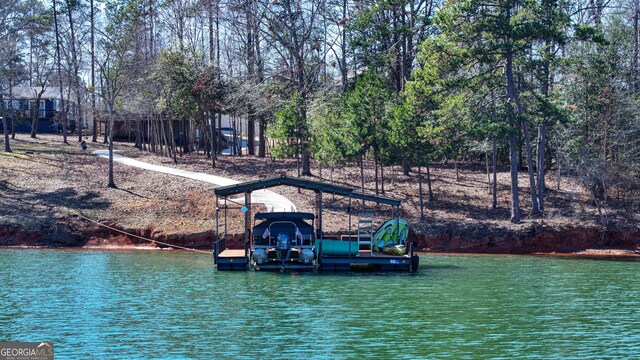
point(249, 186)
point(285, 216)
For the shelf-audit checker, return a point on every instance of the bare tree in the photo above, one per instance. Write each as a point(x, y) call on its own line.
point(114, 69)
point(62, 112)
point(293, 24)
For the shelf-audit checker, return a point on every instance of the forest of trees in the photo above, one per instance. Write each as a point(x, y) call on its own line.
point(535, 85)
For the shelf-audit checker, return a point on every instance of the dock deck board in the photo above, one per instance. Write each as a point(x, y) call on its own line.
point(231, 253)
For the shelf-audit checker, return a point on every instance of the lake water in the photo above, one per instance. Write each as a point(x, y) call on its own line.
point(169, 304)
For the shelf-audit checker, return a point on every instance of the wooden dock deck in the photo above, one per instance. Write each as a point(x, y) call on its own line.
point(231, 253)
point(231, 259)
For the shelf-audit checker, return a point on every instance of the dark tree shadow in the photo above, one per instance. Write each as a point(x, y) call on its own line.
point(65, 197)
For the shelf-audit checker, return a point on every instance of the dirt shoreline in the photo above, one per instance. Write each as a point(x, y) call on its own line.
point(76, 233)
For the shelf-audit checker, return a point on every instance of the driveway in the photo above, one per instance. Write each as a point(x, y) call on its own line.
point(273, 201)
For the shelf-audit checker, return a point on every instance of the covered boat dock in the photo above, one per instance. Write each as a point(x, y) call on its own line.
point(351, 253)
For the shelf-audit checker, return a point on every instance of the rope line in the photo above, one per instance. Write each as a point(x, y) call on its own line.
point(140, 237)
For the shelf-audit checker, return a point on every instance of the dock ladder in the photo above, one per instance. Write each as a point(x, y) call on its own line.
point(365, 231)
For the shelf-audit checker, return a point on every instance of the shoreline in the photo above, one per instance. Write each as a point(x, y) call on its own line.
point(76, 232)
point(584, 254)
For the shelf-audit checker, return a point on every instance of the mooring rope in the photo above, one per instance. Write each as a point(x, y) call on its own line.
point(137, 236)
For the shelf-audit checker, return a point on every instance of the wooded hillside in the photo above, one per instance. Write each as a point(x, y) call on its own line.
point(539, 86)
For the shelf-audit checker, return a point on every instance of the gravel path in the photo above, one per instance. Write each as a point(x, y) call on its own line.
point(273, 201)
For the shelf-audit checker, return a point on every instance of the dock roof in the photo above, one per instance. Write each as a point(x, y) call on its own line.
point(250, 186)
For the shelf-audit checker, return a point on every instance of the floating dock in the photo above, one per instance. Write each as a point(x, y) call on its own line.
point(294, 241)
point(238, 260)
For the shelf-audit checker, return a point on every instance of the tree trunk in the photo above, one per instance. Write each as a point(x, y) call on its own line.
point(94, 131)
point(306, 163)
point(210, 13)
point(212, 130)
point(420, 193)
point(382, 178)
point(136, 132)
point(429, 183)
point(173, 143)
point(7, 147)
point(494, 160)
point(262, 146)
point(375, 166)
point(298, 156)
point(250, 24)
point(206, 135)
point(149, 135)
point(5, 129)
point(343, 45)
point(251, 135)
point(558, 172)
point(239, 139)
point(111, 184)
point(219, 132)
point(105, 138)
point(182, 137)
point(162, 137)
point(219, 143)
point(74, 81)
point(513, 131)
point(361, 173)
point(406, 169)
point(59, 59)
point(35, 117)
point(542, 129)
point(12, 114)
point(397, 63)
point(163, 132)
point(486, 162)
point(513, 166)
point(535, 208)
point(636, 37)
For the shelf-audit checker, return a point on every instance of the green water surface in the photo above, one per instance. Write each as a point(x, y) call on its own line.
point(169, 304)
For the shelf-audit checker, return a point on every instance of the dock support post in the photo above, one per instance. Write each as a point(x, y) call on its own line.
point(225, 216)
point(247, 217)
point(217, 209)
point(349, 211)
point(319, 214)
point(216, 244)
point(397, 213)
point(350, 241)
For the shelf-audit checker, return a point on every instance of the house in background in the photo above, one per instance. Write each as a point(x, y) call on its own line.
point(24, 102)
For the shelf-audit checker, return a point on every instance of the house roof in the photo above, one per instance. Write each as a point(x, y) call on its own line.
point(21, 92)
point(250, 186)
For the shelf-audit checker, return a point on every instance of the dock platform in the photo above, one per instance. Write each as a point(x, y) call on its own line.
point(232, 259)
point(236, 260)
point(379, 261)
